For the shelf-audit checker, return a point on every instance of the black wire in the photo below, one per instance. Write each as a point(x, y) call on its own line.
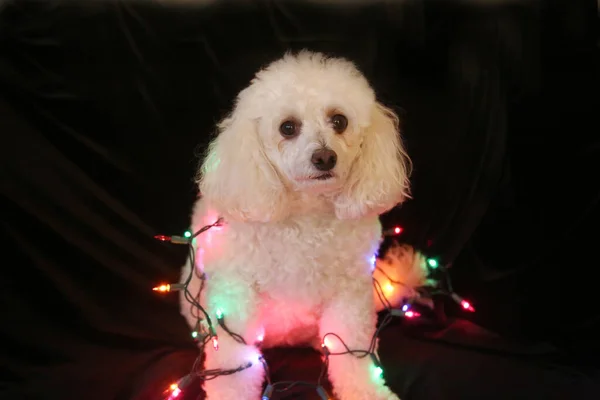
point(234, 336)
point(195, 305)
point(287, 385)
point(266, 368)
point(291, 384)
point(324, 368)
point(361, 353)
point(281, 386)
point(448, 281)
point(389, 278)
point(195, 301)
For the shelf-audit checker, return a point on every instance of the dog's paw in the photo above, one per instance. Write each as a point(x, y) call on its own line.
point(379, 393)
point(243, 385)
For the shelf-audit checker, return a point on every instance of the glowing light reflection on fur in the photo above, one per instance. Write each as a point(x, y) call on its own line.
point(327, 343)
point(389, 288)
point(377, 372)
point(373, 261)
point(256, 358)
point(260, 336)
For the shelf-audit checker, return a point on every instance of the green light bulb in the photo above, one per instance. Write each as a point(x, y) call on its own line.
point(219, 314)
point(187, 234)
point(432, 263)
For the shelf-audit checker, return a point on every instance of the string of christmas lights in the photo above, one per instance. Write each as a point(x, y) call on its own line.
point(205, 332)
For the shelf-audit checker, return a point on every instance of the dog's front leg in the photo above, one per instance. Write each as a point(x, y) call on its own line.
point(234, 303)
point(352, 317)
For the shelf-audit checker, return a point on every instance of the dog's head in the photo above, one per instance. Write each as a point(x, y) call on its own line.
point(308, 129)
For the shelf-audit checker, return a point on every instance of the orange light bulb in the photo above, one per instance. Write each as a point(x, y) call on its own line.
point(162, 288)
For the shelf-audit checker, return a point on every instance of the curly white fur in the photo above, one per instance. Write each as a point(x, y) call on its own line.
point(294, 259)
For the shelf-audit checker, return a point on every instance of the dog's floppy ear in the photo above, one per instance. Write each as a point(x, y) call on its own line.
point(237, 179)
point(378, 180)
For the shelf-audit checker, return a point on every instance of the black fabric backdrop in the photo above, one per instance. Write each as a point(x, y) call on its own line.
point(105, 106)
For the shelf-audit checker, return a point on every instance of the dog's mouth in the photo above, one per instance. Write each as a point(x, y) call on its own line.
point(322, 177)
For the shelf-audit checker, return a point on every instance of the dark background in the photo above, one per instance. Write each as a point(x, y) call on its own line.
point(105, 107)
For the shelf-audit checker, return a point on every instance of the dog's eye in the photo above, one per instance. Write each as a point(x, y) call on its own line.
point(289, 129)
point(339, 122)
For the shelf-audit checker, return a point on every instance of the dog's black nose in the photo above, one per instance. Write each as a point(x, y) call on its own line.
point(324, 159)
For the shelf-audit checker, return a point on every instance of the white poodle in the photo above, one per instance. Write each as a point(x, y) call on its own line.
point(300, 171)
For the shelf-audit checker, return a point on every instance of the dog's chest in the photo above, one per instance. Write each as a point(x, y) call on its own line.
point(307, 258)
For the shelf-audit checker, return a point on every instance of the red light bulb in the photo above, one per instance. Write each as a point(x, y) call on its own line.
point(163, 238)
point(175, 393)
point(397, 230)
point(466, 306)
